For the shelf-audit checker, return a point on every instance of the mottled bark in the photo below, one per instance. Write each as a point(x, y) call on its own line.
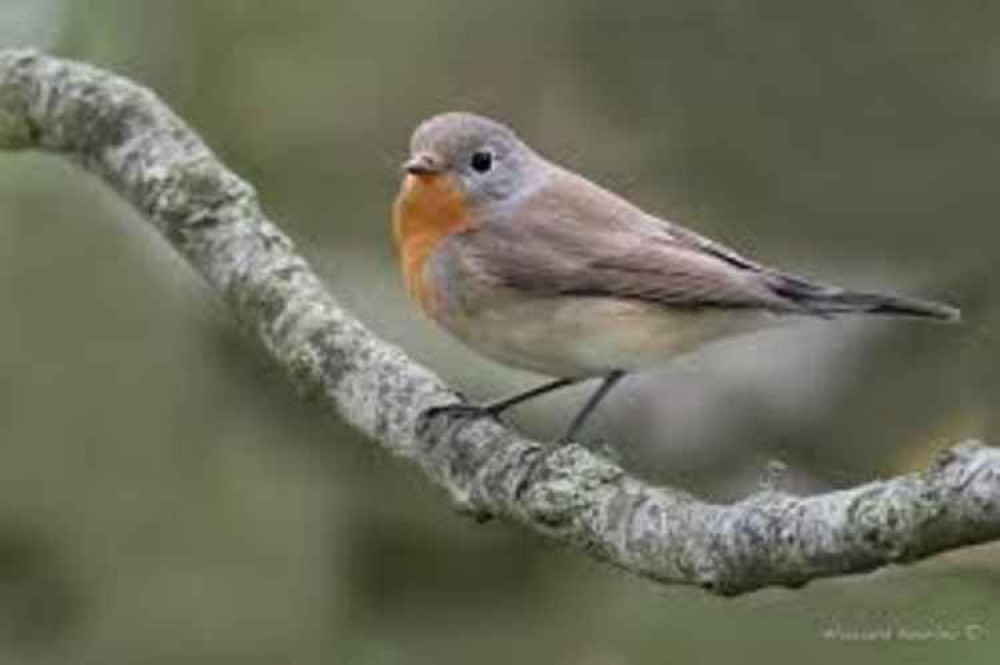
point(123, 133)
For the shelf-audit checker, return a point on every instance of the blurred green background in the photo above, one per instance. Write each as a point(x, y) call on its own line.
point(164, 497)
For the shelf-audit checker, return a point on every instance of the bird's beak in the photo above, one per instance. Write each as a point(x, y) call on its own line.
point(422, 163)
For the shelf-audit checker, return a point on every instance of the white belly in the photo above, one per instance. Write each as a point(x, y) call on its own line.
point(579, 337)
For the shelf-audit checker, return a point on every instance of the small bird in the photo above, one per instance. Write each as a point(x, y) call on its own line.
point(540, 269)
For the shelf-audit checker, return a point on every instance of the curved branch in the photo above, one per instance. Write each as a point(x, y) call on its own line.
point(123, 133)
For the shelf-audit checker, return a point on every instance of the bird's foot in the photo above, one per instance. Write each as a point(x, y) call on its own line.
point(470, 411)
point(457, 411)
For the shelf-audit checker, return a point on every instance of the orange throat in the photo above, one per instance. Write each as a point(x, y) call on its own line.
point(428, 209)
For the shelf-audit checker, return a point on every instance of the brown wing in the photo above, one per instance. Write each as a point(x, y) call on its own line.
point(558, 244)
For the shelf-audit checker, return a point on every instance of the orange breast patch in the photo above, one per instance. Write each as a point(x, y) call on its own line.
point(427, 210)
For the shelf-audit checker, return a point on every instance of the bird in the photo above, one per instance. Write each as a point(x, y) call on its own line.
point(540, 269)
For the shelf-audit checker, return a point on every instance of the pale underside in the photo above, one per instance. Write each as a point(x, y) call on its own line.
point(577, 337)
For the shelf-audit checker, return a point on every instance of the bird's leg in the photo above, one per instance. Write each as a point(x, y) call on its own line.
point(581, 417)
point(501, 405)
point(494, 409)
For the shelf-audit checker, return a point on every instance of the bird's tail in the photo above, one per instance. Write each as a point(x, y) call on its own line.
point(826, 300)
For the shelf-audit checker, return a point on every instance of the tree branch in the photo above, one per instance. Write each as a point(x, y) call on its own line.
point(123, 133)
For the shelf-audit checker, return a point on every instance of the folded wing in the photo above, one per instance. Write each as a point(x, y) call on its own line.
point(597, 244)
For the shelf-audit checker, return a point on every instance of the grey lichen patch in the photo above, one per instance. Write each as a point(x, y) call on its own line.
point(568, 485)
point(632, 524)
point(305, 368)
point(749, 537)
point(892, 522)
point(642, 521)
point(197, 189)
point(16, 131)
point(116, 117)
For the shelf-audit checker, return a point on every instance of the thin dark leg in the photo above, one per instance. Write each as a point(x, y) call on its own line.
point(581, 417)
point(494, 409)
point(501, 405)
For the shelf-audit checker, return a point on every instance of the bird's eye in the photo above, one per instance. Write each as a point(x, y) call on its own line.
point(482, 161)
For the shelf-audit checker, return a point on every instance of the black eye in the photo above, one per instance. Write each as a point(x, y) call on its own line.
point(482, 161)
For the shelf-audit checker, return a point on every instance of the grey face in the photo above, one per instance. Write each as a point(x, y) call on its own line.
point(489, 160)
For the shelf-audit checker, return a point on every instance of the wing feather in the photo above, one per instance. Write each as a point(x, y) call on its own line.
point(573, 238)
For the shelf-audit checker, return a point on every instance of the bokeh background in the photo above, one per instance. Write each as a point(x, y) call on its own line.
point(165, 498)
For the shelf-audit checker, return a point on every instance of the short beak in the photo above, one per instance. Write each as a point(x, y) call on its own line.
point(422, 163)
